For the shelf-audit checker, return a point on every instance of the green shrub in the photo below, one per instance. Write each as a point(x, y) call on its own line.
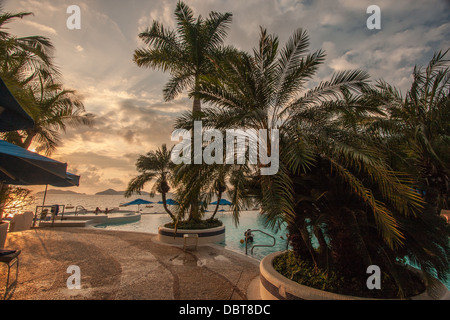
point(197, 224)
point(304, 273)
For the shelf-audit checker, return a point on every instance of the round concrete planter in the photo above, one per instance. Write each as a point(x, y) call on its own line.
point(274, 286)
point(211, 235)
point(3, 233)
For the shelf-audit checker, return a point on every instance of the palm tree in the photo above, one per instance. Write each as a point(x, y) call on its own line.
point(22, 59)
point(334, 181)
point(219, 187)
point(201, 183)
point(55, 108)
point(195, 184)
point(26, 66)
point(188, 52)
point(418, 124)
point(185, 52)
point(154, 166)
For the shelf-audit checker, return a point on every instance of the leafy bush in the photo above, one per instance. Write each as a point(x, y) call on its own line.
point(305, 273)
point(15, 200)
point(196, 224)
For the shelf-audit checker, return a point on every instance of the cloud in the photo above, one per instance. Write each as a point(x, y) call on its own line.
point(161, 11)
point(115, 181)
point(89, 175)
point(40, 27)
point(341, 63)
point(131, 116)
point(38, 7)
point(99, 160)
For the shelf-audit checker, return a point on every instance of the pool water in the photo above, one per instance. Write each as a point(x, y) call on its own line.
point(254, 221)
point(149, 223)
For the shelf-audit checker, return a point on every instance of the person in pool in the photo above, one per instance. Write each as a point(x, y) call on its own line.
point(248, 235)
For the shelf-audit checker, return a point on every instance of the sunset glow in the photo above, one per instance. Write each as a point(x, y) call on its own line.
point(131, 116)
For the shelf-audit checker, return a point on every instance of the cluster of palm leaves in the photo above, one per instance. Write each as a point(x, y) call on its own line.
point(419, 124)
point(185, 52)
point(363, 171)
point(27, 68)
point(154, 166)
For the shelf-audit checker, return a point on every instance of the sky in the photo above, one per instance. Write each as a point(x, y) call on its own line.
point(131, 116)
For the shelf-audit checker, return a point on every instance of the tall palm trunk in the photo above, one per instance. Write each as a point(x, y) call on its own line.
point(437, 185)
point(194, 211)
point(164, 200)
point(196, 110)
point(197, 106)
point(30, 135)
point(219, 197)
point(323, 250)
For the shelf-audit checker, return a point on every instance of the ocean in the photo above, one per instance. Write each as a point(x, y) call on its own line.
point(91, 202)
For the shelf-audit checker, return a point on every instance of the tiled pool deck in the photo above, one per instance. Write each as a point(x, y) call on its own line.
point(125, 265)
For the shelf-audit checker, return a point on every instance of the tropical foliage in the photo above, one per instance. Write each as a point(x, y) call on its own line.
point(346, 206)
point(154, 166)
point(26, 66)
point(185, 52)
point(54, 109)
point(23, 58)
point(28, 70)
point(418, 123)
point(16, 200)
point(188, 53)
point(363, 170)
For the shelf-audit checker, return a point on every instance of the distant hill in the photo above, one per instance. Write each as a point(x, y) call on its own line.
point(109, 192)
point(54, 191)
point(112, 192)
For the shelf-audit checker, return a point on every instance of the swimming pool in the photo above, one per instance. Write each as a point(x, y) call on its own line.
point(149, 223)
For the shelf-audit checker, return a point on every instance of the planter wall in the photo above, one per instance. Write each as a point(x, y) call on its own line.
point(274, 286)
point(212, 235)
point(3, 233)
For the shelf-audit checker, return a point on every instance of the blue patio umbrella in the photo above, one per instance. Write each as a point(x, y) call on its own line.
point(223, 202)
point(71, 180)
point(169, 202)
point(137, 202)
point(12, 115)
point(19, 166)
